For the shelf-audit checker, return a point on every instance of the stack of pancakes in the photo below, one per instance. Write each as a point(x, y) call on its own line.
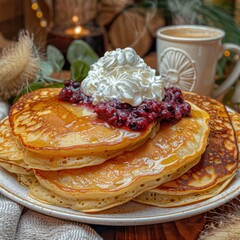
point(69, 157)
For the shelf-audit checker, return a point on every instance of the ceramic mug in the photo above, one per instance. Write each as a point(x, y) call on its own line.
point(187, 58)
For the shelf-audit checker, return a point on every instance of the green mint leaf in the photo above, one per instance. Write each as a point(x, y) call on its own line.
point(46, 68)
point(55, 58)
point(80, 50)
point(79, 70)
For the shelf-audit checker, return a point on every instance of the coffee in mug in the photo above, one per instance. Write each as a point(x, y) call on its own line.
point(187, 58)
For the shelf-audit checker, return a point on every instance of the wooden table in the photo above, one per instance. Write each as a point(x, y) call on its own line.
point(185, 229)
point(188, 228)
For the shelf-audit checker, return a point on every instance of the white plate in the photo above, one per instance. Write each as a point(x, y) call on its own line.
point(128, 214)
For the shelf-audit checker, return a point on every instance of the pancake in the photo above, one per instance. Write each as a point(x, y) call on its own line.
point(9, 149)
point(27, 180)
point(40, 193)
point(47, 125)
point(171, 200)
point(53, 163)
point(216, 168)
point(11, 152)
point(235, 118)
point(120, 179)
point(16, 167)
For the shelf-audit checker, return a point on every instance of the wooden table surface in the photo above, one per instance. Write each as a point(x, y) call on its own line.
point(188, 228)
point(184, 229)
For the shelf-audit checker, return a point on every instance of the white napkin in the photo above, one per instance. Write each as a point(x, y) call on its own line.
point(18, 224)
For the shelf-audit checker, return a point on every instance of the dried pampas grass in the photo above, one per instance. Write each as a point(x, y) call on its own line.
point(18, 66)
point(224, 226)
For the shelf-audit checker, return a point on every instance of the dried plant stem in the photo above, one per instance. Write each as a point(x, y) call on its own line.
point(224, 226)
point(18, 66)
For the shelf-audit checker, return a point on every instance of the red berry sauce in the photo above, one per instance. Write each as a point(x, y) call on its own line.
point(172, 108)
point(72, 93)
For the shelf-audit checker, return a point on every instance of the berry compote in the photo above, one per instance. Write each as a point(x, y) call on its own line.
point(172, 108)
point(72, 93)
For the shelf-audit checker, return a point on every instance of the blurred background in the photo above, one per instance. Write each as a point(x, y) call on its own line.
point(110, 24)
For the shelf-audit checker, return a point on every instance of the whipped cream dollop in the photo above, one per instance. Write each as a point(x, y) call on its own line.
point(123, 75)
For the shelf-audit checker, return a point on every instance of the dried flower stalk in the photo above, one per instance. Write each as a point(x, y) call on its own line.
point(224, 226)
point(18, 66)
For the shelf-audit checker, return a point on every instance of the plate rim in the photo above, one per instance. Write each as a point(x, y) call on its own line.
point(91, 218)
